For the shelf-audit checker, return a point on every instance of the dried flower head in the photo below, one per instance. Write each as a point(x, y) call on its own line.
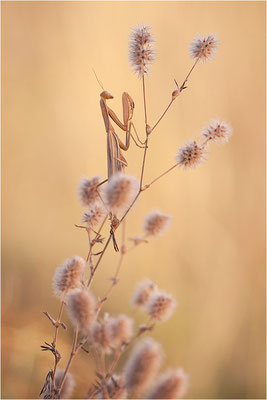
point(115, 387)
point(69, 276)
point(81, 307)
point(122, 330)
point(68, 385)
point(142, 293)
point(204, 48)
point(156, 223)
point(141, 51)
point(217, 131)
point(142, 366)
point(121, 191)
point(101, 335)
point(191, 155)
point(88, 190)
point(160, 306)
point(94, 215)
point(171, 385)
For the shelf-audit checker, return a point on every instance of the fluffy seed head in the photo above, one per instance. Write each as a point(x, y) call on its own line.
point(120, 192)
point(142, 366)
point(141, 51)
point(87, 190)
point(122, 330)
point(156, 223)
point(69, 276)
point(161, 306)
point(217, 131)
point(68, 385)
point(115, 387)
point(204, 48)
point(191, 155)
point(142, 293)
point(101, 335)
point(94, 215)
point(171, 385)
point(81, 307)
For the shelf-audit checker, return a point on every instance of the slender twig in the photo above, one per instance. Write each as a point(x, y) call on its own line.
point(72, 354)
point(162, 115)
point(160, 176)
point(115, 278)
point(144, 96)
point(182, 87)
point(98, 261)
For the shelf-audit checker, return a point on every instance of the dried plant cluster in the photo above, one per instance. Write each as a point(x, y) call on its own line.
point(109, 203)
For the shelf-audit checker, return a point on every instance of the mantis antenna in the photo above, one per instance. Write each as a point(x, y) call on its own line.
point(99, 82)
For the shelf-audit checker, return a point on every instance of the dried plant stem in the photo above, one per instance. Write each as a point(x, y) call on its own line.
point(98, 261)
point(146, 141)
point(160, 176)
point(162, 115)
point(57, 325)
point(89, 258)
point(72, 354)
point(115, 278)
point(144, 96)
point(182, 87)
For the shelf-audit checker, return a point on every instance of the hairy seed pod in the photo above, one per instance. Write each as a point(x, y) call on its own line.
point(191, 155)
point(94, 215)
point(217, 131)
point(142, 366)
point(161, 306)
point(204, 48)
point(142, 293)
point(156, 223)
point(122, 330)
point(141, 51)
point(120, 192)
point(171, 385)
point(88, 190)
point(81, 307)
point(101, 335)
point(69, 276)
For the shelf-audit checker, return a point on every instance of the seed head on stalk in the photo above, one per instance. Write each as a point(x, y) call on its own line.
point(69, 276)
point(142, 366)
point(171, 385)
point(156, 223)
point(191, 155)
point(160, 306)
point(81, 309)
point(204, 48)
point(141, 51)
point(217, 131)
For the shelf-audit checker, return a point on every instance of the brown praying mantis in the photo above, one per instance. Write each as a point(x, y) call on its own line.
point(115, 159)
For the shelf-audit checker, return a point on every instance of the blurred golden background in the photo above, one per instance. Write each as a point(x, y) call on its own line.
point(212, 259)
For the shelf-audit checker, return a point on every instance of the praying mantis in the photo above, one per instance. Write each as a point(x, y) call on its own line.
point(115, 159)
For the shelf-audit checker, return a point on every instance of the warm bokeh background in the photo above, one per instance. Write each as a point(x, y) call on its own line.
point(212, 259)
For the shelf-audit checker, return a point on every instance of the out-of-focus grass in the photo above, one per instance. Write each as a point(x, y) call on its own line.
point(212, 259)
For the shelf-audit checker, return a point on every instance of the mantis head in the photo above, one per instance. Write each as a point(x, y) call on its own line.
point(106, 95)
